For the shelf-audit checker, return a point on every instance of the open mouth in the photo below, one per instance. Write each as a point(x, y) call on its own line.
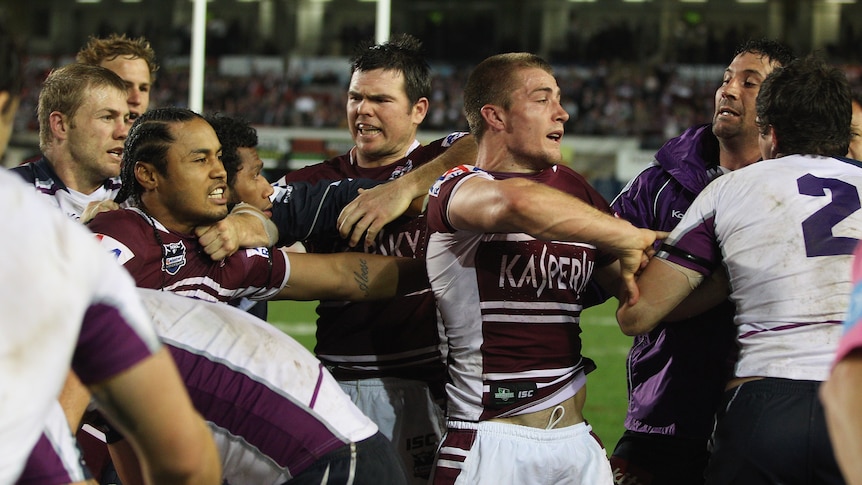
point(366, 129)
point(116, 153)
point(217, 193)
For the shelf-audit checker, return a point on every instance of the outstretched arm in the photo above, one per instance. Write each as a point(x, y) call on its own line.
point(374, 208)
point(663, 285)
point(519, 205)
point(352, 276)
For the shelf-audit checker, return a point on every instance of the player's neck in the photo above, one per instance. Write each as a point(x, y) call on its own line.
point(733, 158)
point(71, 175)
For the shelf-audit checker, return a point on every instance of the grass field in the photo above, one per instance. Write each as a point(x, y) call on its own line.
point(602, 341)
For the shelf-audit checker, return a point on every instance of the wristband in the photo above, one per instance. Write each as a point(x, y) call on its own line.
point(268, 225)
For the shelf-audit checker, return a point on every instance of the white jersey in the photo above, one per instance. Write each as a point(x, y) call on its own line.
point(785, 229)
point(65, 298)
point(272, 406)
point(70, 201)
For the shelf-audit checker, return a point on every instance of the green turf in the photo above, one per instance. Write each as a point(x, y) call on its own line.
point(602, 341)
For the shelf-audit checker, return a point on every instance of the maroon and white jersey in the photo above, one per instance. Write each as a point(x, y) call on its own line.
point(389, 338)
point(510, 305)
point(785, 230)
point(66, 302)
point(162, 259)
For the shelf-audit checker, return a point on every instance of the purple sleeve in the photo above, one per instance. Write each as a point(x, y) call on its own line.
point(635, 202)
point(107, 345)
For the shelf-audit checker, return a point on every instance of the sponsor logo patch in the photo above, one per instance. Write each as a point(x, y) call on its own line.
point(174, 257)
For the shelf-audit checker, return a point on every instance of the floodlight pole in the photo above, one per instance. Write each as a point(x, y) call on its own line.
point(198, 56)
point(384, 16)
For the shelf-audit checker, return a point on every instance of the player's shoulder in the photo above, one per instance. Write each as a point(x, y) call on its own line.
point(331, 169)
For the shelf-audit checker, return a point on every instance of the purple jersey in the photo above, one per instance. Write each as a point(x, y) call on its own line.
point(162, 259)
point(677, 372)
point(510, 305)
point(391, 338)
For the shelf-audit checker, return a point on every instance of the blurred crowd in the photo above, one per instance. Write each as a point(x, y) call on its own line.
point(649, 102)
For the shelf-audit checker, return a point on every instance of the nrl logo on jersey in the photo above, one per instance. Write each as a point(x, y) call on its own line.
point(174, 257)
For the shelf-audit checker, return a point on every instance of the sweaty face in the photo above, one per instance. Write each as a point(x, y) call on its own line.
point(735, 109)
point(856, 132)
point(381, 119)
point(136, 74)
point(95, 137)
point(534, 122)
point(192, 192)
point(249, 185)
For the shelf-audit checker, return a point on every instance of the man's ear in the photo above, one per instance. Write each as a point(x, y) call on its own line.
point(420, 110)
point(494, 117)
point(145, 174)
point(773, 143)
point(59, 124)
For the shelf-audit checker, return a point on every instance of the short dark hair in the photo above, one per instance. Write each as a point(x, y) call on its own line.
point(149, 140)
point(11, 65)
point(402, 53)
point(492, 82)
point(807, 103)
point(233, 133)
point(777, 52)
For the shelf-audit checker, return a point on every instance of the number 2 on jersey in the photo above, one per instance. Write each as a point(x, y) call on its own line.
point(817, 228)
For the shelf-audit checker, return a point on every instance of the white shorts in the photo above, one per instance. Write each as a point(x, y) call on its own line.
point(407, 415)
point(499, 453)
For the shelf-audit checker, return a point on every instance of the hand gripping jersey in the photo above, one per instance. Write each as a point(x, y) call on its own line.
point(677, 371)
point(67, 302)
point(162, 259)
point(510, 305)
point(390, 338)
point(272, 406)
point(785, 229)
point(71, 202)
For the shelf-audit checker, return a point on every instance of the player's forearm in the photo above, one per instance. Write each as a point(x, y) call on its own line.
point(841, 395)
point(253, 228)
point(419, 180)
point(351, 276)
point(663, 286)
point(552, 215)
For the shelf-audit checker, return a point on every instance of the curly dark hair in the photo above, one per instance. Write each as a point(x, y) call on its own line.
point(808, 104)
point(403, 53)
point(149, 140)
point(777, 52)
point(233, 133)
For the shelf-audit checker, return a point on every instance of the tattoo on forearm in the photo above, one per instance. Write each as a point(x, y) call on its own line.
point(361, 277)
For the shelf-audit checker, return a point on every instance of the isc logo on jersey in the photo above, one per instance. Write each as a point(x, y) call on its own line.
point(118, 249)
